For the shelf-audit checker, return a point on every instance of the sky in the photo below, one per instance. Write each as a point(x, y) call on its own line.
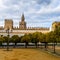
point(38, 13)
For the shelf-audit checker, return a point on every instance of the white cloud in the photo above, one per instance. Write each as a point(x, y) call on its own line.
point(52, 8)
point(34, 11)
point(2, 6)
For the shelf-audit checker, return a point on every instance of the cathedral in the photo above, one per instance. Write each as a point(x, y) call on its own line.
point(23, 29)
point(9, 24)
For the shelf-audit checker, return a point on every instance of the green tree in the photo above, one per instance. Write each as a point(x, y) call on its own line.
point(15, 39)
point(6, 38)
point(1, 40)
point(19, 40)
point(52, 38)
point(57, 34)
point(35, 38)
point(44, 40)
point(25, 39)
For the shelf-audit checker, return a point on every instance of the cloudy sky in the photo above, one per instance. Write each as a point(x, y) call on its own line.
point(38, 13)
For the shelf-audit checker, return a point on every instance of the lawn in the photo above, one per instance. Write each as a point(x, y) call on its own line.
point(26, 54)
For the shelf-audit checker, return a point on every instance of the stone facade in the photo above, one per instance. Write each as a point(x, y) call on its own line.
point(22, 29)
point(22, 24)
point(55, 25)
point(8, 24)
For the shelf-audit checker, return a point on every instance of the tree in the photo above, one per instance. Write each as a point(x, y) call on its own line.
point(15, 39)
point(6, 38)
point(1, 40)
point(35, 38)
point(26, 40)
point(57, 34)
point(44, 40)
point(19, 40)
point(52, 38)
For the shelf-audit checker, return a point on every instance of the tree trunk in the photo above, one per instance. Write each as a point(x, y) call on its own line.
point(45, 45)
point(7, 46)
point(36, 44)
point(54, 47)
point(26, 44)
point(41, 45)
point(15, 45)
point(0, 43)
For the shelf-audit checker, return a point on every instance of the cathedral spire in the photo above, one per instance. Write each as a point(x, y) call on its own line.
point(22, 24)
point(22, 18)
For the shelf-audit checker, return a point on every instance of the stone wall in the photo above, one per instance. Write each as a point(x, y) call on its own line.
point(8, 24)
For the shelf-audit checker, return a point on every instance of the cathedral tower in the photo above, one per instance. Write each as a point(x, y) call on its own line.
point(8, 24)
point(22, 24)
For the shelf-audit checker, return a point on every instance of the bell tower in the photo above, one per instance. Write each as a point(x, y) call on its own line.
point(8, 24)
point(22, 24)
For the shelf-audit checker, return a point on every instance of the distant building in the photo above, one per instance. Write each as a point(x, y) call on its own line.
point(55, 25)
point(22, 29)
point(8, 24)
point(22, 24)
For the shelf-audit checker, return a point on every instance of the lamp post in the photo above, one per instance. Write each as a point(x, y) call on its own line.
point(8, 34)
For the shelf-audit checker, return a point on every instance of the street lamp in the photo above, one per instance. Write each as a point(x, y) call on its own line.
point(8, 32)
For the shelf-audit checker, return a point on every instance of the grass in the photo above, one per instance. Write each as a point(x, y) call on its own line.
point(26, 54)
